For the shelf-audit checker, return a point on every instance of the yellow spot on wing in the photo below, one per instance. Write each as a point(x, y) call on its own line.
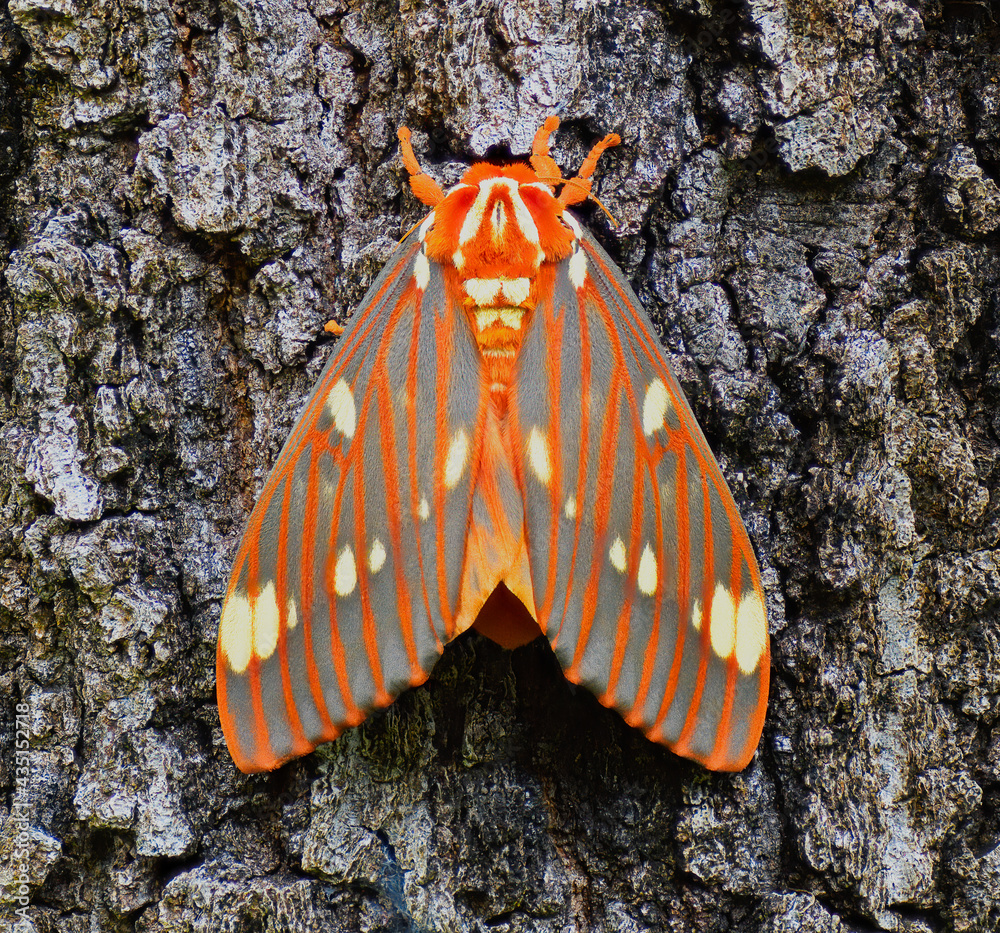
point(265, 622)
point(618, 555)
point(570, 510)
point(647, 571)
point(539, 457)
point(723, 622)
point(249, 628)
point(236, 632)
point(293, 615)
point(751, 632)
point(454, 464)
point(376, 557)
point(340, 405)
point(424, 510)
point(345, 574)
point(578, 268)
point(421, 271)
point(654, 407)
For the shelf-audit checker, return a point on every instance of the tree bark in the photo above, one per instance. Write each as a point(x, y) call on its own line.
point(807, 208)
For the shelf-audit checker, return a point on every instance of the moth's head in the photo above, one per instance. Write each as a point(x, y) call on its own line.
point(503, 221)
point(499, 215)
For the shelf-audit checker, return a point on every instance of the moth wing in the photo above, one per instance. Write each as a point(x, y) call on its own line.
point(345, 584)
point(643, 576)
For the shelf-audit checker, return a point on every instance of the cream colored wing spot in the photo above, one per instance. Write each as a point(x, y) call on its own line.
point(647, 571)
point(345, 573)
point(751, 632)
point(617, 555)
point(539, 457)
point(376, 556)
point(265, 622)
point(458, 454)
point(236, 633)
point(423, 510)
point(723, 622)
point(654, 407)
point(570, 509)
point(293, 614)
point(249, 628)
point(696, 615)
point(421, 271)
point(340, 405)
point(458, 259)
point(578, 268)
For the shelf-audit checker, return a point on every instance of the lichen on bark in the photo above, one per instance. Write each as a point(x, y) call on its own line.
point(808, 208)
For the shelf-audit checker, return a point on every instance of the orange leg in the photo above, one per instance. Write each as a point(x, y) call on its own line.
point(424, 187)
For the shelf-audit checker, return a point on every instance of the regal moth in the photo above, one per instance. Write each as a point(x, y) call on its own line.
point(498, 442)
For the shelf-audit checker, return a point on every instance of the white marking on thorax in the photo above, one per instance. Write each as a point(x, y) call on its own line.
point(484, 292)
point(508, 317)
point(474, 218)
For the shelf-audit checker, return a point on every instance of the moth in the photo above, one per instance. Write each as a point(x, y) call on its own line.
point(497, 441)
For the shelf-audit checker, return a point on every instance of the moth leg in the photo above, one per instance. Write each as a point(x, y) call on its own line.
point(424, 187)
point(543, 164)
point(578, 189)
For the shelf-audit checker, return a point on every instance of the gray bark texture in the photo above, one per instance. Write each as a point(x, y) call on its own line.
point(807, 208)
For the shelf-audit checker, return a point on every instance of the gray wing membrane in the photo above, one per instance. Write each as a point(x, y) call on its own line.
point(644, 579)
point(345, 585)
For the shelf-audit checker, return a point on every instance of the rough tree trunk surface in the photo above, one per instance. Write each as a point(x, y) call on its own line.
point(807, 209)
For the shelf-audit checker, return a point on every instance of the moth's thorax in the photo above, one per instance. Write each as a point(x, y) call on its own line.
point(496, 231)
